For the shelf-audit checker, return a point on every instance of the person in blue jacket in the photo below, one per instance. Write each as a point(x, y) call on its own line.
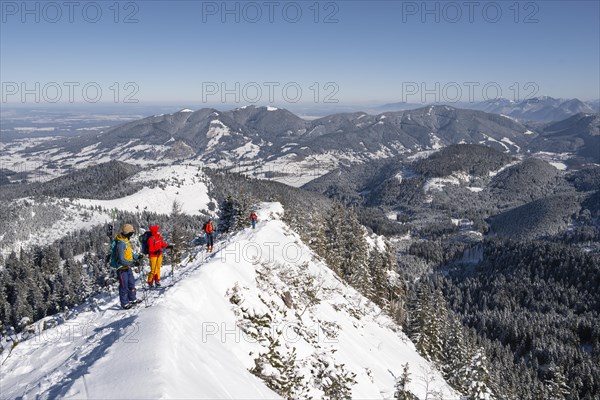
point(125, 260)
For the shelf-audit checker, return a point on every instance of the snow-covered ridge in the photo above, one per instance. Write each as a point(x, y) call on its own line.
point(198, 340)
point(215, 133)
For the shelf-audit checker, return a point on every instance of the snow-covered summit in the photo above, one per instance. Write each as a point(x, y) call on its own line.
point(261, 299)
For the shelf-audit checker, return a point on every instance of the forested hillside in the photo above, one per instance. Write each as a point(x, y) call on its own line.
point(541, 301)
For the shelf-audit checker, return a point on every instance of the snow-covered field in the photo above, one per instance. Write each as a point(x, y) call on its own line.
point(557, 160)
point(14, 158)
point(292, 171)
point(456, 178)
point(194, 342)
point(183, 183)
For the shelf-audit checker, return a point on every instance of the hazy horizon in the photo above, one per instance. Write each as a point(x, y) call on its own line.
point(287, 53)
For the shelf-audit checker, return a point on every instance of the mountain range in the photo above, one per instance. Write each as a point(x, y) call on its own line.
point(451, 205)
point(271, 142)
point(537, 109)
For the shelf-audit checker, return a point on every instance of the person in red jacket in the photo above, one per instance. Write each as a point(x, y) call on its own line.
point(209, 229)
point(253, 218)
point(156, 244)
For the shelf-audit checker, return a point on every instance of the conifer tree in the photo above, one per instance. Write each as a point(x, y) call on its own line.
point(402, 392)
point(379, 278)
point(279, 370)
point(17, 289)
point(180, 237)
point(476, 377)
point(4, 305)
point(356, 266)
point(428, 322)
point(316, 233)
point(556, 385)
point(336, 239)
point(455, 355)
point(420, 312)
point(439, 326)
point(396, 292)
point(227, 215)
point(242, 212)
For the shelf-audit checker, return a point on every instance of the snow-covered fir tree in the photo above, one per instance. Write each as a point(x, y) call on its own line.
point(314, 233)
point(455, 355)
point(556, 385)
point(180, 236)
point(279, 370)
point(402, 392)
point(335, 247)
point(475, 376)
point(355, 265)
point(243, 208)
point(333, 379)
point(234, 213)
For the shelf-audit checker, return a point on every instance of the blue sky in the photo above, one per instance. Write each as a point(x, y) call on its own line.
point(198, 52)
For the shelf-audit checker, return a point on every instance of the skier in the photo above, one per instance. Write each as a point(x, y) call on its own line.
point(125, 259)
point(156, 244)
point(209, 229)
point(253, 218)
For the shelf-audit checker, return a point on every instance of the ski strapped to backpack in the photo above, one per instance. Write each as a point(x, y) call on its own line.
point(112, 257)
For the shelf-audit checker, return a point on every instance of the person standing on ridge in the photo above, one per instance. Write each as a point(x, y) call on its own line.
point(253, 218)
point(209, 229)
point(124, 259)
point(156, 244)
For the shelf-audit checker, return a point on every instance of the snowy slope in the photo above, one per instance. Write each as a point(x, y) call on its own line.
point(196, 340)
point(184, 183)
point(72, 218)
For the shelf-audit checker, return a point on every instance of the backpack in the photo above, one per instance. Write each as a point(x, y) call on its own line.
point(208, 227)
point(144, 241)
point(113, 254)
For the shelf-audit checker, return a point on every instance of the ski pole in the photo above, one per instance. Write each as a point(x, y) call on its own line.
point(144, 290)
point(172, 272)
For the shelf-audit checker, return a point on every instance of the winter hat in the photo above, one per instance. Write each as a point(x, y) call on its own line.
point(127, 228)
